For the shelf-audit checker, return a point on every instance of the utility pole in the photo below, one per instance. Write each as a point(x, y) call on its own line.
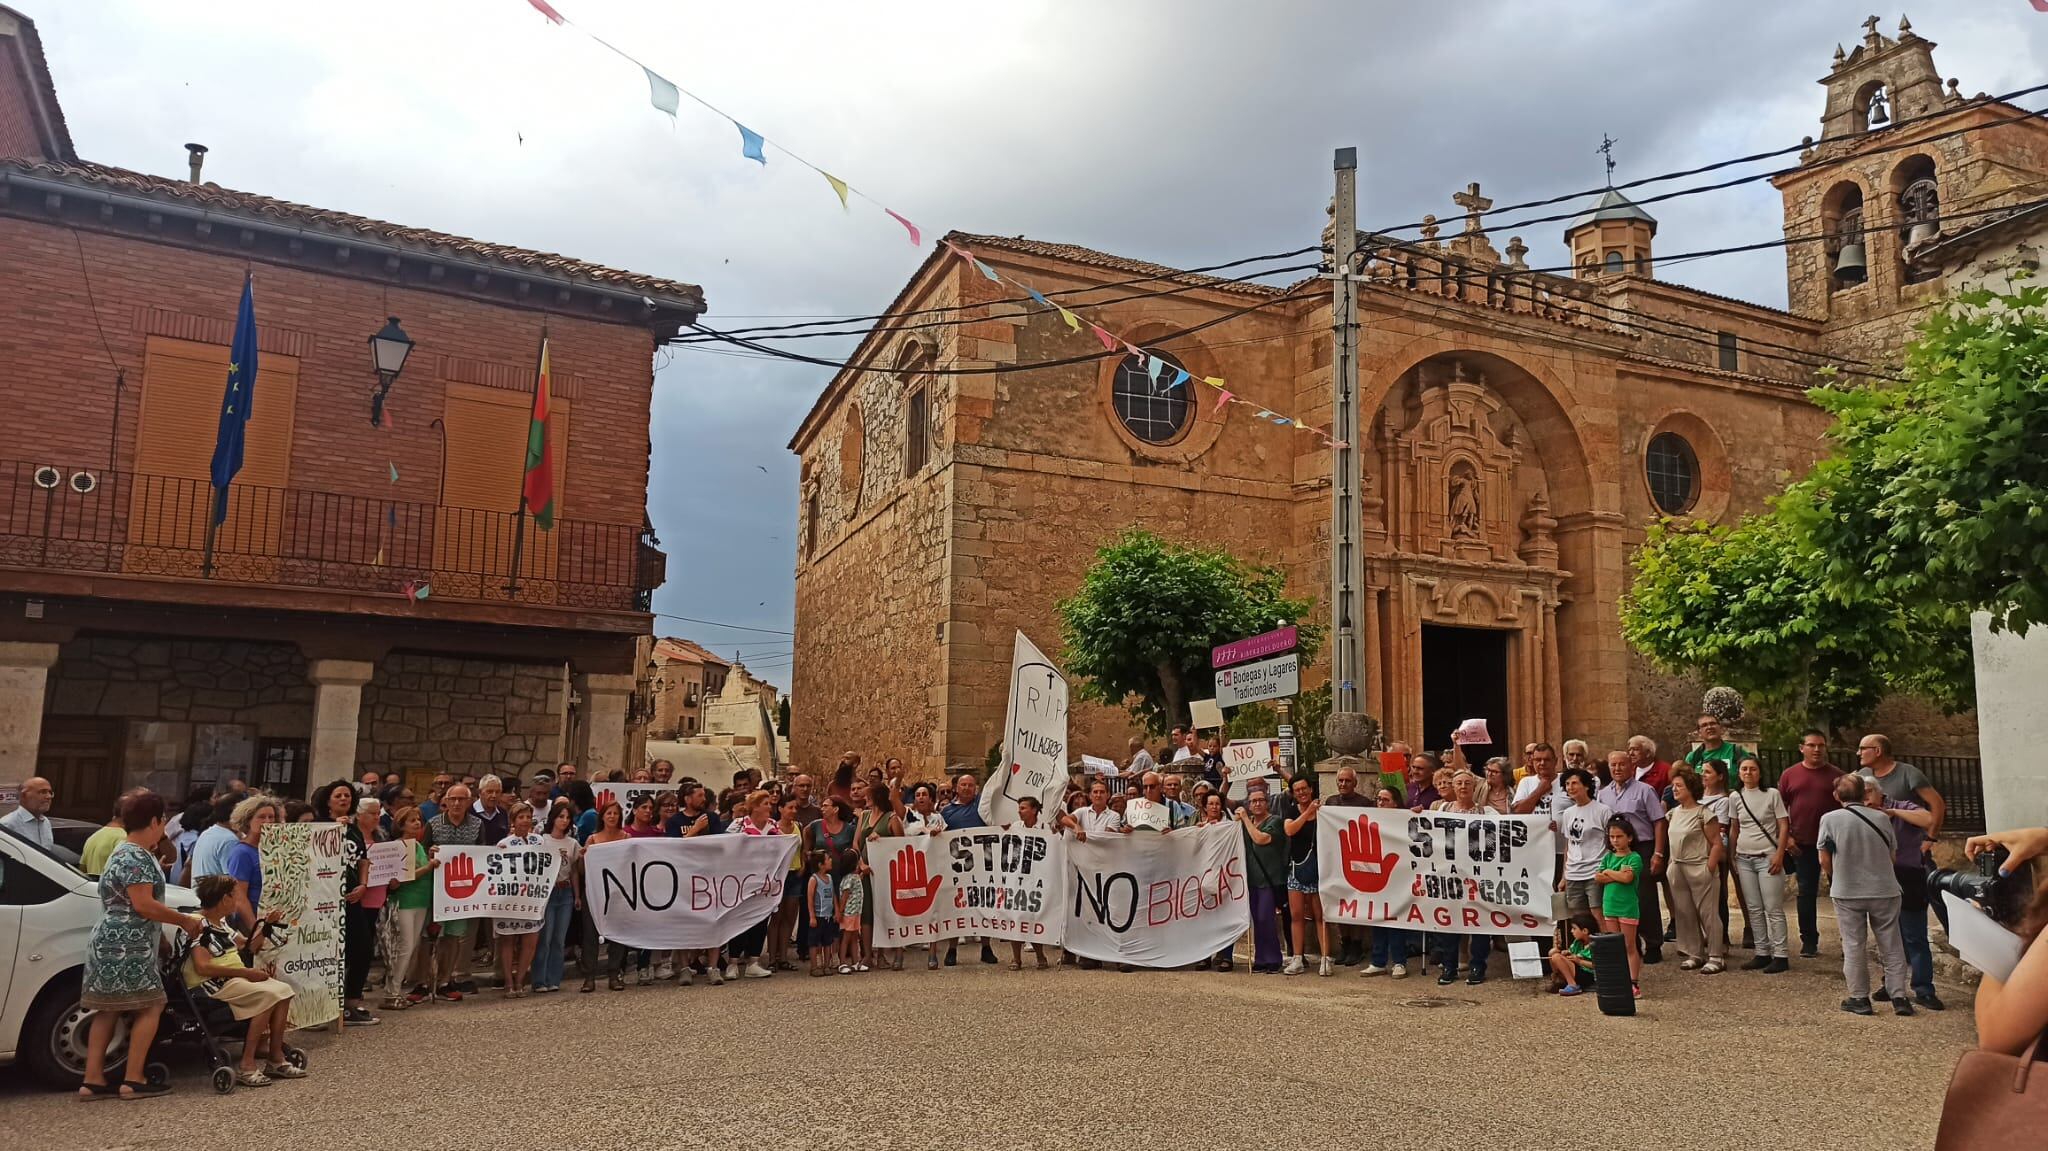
point(1347, 565)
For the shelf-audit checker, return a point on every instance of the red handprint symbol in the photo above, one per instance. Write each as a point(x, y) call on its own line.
point(911, 892)
point(460, 879)
point(1364, 867)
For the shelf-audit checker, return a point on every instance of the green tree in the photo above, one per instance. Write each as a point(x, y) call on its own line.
point(1745, 606)
point(1138, 630)
point(1934, 493)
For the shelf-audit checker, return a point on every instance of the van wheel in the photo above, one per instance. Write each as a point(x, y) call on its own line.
point(54, 1038)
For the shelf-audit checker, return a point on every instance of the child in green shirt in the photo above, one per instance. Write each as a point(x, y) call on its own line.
point(1574, 964)
point(1620, 906)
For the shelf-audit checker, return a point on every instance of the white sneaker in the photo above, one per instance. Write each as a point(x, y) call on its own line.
point(664, 971)
point(756, 971)
point(1324, 971)
point(1399, 971)
point(1294, 966)
point(683, 976)
point(732, 971)
point(1372, 969)
point(717, 975)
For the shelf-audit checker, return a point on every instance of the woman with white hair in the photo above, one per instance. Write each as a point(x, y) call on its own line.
point(245, 864)
point(362, 906)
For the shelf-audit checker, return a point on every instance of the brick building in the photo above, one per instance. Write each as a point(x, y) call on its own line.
point(362, 610)
point(1524, 429)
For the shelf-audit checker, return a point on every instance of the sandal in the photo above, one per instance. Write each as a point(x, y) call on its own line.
point(92, 1092)
point(846, 969)
point(1016, 966)
point(132, 1090)
point(1712, 967)
point(1689, 965)
point(252, 1078)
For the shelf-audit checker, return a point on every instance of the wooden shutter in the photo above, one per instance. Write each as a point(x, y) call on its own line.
point(169, 491)
point(486, 459)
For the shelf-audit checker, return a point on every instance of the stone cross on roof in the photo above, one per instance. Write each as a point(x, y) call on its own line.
point(1474, 204)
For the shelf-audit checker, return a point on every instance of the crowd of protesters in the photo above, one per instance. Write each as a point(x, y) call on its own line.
point(1636, 834)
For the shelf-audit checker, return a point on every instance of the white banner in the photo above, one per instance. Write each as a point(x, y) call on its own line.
point(1479, 874)
point(1157, 900)
point(494, 882)
point(1034, 739)
point(994, 884)
point(684, 893)
point(626, 794)
point(302, 877)
point(1246, 759)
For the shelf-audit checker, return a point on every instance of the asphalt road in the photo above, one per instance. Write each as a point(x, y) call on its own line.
point(981, 1057)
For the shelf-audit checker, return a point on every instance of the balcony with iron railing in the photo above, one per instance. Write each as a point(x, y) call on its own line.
point(58, 519)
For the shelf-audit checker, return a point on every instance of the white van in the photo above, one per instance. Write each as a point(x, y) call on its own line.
point(47, 909)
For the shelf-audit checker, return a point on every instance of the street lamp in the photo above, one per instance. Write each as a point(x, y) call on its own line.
point(388, 350)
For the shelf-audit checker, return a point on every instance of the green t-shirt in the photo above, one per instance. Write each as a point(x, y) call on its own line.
point(1266, 865)
point(417, 893)
point(1729, 754)
point(1619, 900)
point(1581, 953)
point(99, 847)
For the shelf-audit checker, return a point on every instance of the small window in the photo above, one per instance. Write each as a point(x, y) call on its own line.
point(1726, 340)
point(810, 534)
point(917, 435)
point(1155, 409)
point(853, 449)
point(1673, 472)
point(1615, 263)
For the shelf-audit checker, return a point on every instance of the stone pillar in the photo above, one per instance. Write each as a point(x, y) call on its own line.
point(604, 722)
point(24, 672)
point(337, 710)
point(2011, 723)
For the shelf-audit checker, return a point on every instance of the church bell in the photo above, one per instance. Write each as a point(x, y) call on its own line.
point(1921, 233)
point(1851, 266)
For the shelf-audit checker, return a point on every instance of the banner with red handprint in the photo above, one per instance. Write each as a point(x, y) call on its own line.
point(1444, 871)
point(494, 882)
point(976, 882)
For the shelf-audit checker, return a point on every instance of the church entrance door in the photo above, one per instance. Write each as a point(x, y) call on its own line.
point(1465, 676)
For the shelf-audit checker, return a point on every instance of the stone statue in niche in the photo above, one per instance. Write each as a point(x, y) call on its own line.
point(1464, 505)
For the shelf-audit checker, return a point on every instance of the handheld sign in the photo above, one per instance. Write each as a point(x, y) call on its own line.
point(1471, 731)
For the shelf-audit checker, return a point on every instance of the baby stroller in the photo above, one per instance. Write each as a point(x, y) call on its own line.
point(192, 1019)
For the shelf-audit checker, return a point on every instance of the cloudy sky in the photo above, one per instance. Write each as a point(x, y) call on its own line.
point(1182, 131)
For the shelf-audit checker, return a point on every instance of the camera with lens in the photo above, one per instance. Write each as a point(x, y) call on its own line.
point(2003, 897)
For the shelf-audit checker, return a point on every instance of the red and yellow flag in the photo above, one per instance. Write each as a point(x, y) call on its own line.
point(538, 484)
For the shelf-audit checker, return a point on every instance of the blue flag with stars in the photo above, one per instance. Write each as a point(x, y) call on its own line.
point(237, 403)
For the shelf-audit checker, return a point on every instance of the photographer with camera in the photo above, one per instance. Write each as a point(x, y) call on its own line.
point(2013, 1011)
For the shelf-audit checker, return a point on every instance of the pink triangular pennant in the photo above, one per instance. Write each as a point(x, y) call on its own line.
point(916, 237)
point(1108, 341)
point(548, 10)
point(1222, 399)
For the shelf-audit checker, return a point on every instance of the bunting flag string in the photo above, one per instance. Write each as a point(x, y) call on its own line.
point(666, 96)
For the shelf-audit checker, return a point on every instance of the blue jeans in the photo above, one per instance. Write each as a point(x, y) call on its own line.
point(554, 934)
point(1391, 945)
point(1265, 928)
point(1913, 927)
point(1447, 950)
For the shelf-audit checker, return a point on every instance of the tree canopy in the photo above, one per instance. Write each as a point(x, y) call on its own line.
point(1138, 631)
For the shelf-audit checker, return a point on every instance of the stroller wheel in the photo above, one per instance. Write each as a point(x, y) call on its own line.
point(296, 1056)
point(224, 1080)
point(156, 1074)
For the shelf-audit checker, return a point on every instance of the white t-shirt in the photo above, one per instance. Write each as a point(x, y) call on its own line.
point(1550, 804)
point(1767, 807)
point(1186, 753)
point(1584, 828)
point(1104, 822)
point(567, 849)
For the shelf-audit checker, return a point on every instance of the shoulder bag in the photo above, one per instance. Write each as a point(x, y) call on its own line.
point(1994, 1100)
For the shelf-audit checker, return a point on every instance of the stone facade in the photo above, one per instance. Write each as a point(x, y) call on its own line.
point(423, 714)
point(1513, 420)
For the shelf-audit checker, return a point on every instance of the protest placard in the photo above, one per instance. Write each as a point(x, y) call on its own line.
point(628, 794)
point(389, 860)
point(494, 882)
point(301, 865)
point(1452, 872)
point(978, 882)
point(1245, 759)
point(684, 893)
point(1157, 900)
point(1035, 737)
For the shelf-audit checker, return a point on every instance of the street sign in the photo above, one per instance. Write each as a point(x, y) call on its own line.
point(1275, 678)
point(1254, 647)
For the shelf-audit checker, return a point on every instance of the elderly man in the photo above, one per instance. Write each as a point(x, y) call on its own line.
point(1639, 804)
point(455, 826)
point(1905, 783)
point(1642, 751)
point(1578, 755)
point(1183, 812)
point(1140, 759)
point(490, 807)
point(540, 795)
point(1148, 810)
point(1542, 792)
point(1856, 847)
point(31, 820)
point(662, 771)
point(965, 811)
point(1350, 936)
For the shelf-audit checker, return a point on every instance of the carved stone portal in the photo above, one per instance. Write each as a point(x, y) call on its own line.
point(1453, 472)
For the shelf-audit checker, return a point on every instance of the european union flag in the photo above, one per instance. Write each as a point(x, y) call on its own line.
point(237, 404)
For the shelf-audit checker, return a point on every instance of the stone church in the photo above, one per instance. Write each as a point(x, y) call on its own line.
point(1526, 427)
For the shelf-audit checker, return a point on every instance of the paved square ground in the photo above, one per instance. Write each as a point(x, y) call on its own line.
point(976, 1057)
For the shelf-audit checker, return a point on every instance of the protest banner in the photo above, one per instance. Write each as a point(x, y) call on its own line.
point(301, 865)
point(389, 860)
point(1444, 871)
point(1157, 900)
point(1247, 759)
point(628, 794)
point(977, 882)
point(494, 882)
point(1034, 738)
point(684, 893)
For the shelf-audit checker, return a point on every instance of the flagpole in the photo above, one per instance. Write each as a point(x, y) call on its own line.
point(519, 518)
point(214, 498)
